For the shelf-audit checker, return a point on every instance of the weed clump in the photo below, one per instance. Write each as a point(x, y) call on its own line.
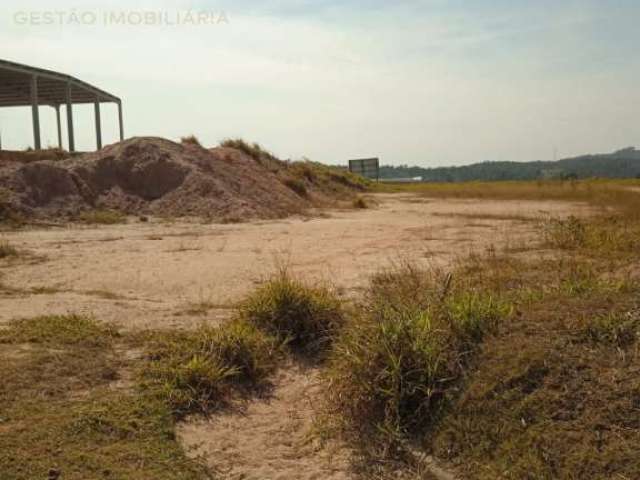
point(393, 367)
point(196, 371)
point(613, 328)
point(305, 318)
point(570, 233)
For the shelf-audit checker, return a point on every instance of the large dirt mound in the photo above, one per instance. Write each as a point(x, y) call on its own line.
point(159, 177)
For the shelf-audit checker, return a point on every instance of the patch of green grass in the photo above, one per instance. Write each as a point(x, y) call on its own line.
point(545, 398)
point(306, 318)
point(198, 371)
point(104, 217)
point(513, 366)
point(581, 277)
point(58, 330)
point(471, 314)
point(60, 410)
point(614, 328)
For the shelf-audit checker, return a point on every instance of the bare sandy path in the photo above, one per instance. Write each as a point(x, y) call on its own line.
point(174, 274)
point(270, 439)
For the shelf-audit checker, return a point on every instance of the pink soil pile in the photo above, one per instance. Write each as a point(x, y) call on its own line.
point(154, 176)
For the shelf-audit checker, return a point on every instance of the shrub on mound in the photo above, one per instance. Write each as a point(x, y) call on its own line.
point(254, 150)
point(191, 140)
point(195, 371)
point(306, 318)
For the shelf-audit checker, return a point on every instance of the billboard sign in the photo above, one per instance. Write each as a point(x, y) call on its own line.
point(367, 167)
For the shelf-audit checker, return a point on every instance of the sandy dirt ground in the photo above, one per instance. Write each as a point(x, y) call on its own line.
point(178, 274)
point(173, 274)
point(270, 438)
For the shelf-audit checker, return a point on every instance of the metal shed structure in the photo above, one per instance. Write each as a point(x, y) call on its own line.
point(23, 86)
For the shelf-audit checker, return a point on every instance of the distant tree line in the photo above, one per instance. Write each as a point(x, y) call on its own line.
point(621, 164)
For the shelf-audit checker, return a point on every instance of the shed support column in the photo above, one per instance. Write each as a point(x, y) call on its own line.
point(96, 108)
point(35, 114)
point(57, 107)
point(120, 121)
point(72, 146)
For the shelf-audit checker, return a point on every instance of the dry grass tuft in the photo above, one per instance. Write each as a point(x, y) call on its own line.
point(394, 366)
point(608, 235)
point(306, 318)
point(254, 150)
point(190, 140)
point(198, 371)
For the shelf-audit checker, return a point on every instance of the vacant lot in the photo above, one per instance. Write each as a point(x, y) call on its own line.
point(171, 274)
point(498, 342)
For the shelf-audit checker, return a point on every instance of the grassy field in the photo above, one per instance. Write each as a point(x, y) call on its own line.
point(553, 390)
point(618, 194)
point(69, 410)
point(506, 365)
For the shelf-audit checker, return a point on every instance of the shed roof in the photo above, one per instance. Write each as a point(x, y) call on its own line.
point(15, 87)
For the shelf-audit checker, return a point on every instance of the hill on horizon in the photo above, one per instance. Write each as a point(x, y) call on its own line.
point(624, 163)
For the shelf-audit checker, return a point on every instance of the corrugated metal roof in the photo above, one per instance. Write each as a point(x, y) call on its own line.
point(15, 87)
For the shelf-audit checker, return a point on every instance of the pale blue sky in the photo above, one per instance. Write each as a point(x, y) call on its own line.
point(428, 82)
